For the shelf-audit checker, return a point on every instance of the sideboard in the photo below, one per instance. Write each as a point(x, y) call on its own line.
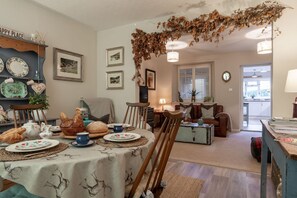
point(21, 60)
point(285, 156)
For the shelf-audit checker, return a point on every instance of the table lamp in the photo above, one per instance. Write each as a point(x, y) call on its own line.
point(291, 87)
point(162, 101)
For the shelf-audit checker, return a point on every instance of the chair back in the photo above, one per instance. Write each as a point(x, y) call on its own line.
point(23, 113)
point(158, 154)
point(136, 114)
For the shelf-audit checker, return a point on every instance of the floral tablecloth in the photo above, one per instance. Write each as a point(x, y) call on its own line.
point(95, 171)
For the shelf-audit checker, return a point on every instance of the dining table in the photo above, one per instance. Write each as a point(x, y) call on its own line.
point(102, 169)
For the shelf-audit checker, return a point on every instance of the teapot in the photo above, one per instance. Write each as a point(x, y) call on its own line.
point(32, 130)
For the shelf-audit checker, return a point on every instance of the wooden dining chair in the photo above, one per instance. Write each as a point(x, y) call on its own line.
point(158, 156)
point(136, 114)
point(23, 113)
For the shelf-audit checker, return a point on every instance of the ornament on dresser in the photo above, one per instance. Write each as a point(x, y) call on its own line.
point(9, 80)
point(38, 87)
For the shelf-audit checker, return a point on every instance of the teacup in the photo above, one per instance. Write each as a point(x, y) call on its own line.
point(118, 128)
point(82, 138)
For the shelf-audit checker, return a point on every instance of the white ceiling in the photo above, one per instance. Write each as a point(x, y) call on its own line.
point(104, 14)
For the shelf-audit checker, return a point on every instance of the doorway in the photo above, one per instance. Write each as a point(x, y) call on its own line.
point(256, 92)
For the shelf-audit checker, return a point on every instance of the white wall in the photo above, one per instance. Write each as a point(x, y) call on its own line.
point(284, 59)
point(63, 33)
point(231, 100)
point(115, 37)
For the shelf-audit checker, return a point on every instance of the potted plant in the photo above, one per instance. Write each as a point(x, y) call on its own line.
point(39, 99)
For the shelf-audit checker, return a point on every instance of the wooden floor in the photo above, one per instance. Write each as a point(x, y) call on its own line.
point(222, 182)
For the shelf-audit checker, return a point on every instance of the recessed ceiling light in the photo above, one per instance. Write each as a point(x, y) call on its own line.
point(175, 45)
point(260, 33)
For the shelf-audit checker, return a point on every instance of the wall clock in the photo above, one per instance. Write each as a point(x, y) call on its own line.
point(226, 76)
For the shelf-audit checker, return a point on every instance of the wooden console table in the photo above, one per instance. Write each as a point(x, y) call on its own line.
point(285, 156)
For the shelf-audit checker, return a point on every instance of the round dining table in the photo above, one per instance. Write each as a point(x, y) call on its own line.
point(77, 172)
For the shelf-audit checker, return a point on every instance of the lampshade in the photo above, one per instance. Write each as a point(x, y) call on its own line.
point(162, 101)
point(264, 47)
point(291, 84)
point(172, 56)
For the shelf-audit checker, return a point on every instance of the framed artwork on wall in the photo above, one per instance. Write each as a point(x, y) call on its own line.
point(115, 80)
point(115, 56)
point(67, 65)
point(150, 79)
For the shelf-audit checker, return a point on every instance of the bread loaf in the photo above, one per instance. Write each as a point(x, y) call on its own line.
point(13, 135)
point(97, 127)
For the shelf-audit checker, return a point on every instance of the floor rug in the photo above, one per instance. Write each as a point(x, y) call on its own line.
point(230, 152)
point(181, 186)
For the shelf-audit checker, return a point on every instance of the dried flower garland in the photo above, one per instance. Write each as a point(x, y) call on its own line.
point(207, 27)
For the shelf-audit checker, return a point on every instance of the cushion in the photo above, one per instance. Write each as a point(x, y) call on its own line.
point(104, 118)
point(186, 109)
point(208, 110)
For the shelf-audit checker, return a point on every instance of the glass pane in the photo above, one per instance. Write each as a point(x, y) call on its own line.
point(202, 82)
point(185, 83)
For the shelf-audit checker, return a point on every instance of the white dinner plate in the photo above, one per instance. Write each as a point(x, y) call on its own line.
point(32, 144)
point(122, 137)
point(112, 125)
point(12, 147)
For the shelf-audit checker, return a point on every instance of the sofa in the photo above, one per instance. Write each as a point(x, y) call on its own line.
point(210, 113)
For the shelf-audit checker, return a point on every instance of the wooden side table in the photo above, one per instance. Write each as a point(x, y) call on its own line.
point(159, 118)
point(294, 110)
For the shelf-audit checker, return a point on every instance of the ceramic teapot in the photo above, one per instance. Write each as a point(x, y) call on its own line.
point(32, 130)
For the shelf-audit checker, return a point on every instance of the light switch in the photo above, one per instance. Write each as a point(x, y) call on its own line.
point(230, 89)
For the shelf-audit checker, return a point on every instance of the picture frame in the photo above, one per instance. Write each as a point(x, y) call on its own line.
point(150, 79)
point(115, 80)
point(115, 56)
point(67, 65)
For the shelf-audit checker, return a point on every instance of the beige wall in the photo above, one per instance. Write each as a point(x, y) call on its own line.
point(63, 33)
point(284, 59)
point(231, 100)
point(67, 34)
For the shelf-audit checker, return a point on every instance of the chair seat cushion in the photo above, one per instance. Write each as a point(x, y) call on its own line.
point(17, 191)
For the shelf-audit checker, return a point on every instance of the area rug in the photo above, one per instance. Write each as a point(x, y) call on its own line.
point(230, 152)
point(181, 186)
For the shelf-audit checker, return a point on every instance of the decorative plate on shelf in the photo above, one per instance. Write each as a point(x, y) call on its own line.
point(17, 67)
point(16, 89)
point(1, 65)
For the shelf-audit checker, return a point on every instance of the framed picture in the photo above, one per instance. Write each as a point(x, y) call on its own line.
point(115, 56)
point(150, 79)
point(115, 80)
point(67, 65)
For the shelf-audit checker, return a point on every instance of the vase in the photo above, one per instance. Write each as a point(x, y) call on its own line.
point(193, 99)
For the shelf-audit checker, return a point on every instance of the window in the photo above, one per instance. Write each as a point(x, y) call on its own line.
point(259, 89)
point(196, 77)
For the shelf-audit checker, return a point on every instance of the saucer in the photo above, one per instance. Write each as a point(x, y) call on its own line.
point(74, 143)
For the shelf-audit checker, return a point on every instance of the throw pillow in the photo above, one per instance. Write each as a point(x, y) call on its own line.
point(208, 110)
point(186, 109)
point(104, 118)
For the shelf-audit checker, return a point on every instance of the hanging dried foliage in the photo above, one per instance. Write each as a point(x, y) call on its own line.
point(207, 27)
